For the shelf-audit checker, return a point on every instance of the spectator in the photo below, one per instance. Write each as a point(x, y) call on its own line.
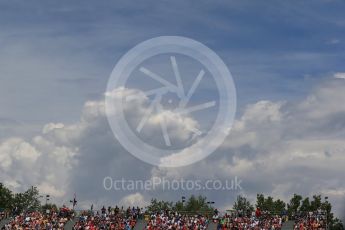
point(37, 220)
point(174, 220)
point(264, 222)
point(116, 219)
point(311, 220)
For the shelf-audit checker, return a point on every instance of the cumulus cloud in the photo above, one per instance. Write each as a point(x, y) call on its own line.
point(281, 148)
point(38, 162)
point(137, 105)
point(277, 148)
point(147, 121)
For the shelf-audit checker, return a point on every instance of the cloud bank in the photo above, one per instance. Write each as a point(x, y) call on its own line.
point(275, 147)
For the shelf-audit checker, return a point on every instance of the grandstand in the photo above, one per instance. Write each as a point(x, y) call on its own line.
point(128, 219)
point(132, 219)
point(194, 213)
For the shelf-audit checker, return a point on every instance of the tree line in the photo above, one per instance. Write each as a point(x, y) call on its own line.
point(30, 200)
point(296, 206)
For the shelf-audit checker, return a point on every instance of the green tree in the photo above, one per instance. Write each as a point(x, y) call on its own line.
point(197, 204)
point(279, 206)
point(305, 206)
point(260, 201)
point(294, 204)
point(193, 205)
point(336, 224)
point(269, 204)
point(6, 197)
point(157, 205)
point(316, 203)
point(325, 206)
point(179, 206)
point(29, 200)
point(243, 205)
point(297, 203)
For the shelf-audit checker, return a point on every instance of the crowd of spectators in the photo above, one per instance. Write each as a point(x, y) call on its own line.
point(176, 221)
point(49, 220)
point(262, 223)
point(111, 218)
point(125, 219)
point(253, 221)
point(310, 221)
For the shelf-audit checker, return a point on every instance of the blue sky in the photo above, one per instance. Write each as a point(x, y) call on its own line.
point(57, 55)
point(275, 50)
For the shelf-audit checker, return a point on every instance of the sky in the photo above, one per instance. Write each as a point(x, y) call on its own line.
point(286, 59)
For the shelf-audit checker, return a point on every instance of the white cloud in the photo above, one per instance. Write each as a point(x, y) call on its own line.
point(277, 148)
point(16, 150)
point(134, 200)
point(339, 75)
point(52, 126)
point(283, 148)
point(39, 162)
